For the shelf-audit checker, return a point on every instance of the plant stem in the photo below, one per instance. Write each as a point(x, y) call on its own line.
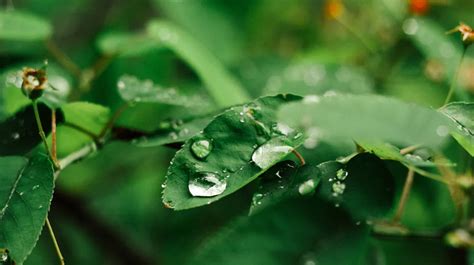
point(75, 156)
point(112, 120)
point(63, 59)
point(55, 242)
point(409, 149)
point(404, 196)
point(43, 136)
point(456, 75)
point(54, 152)
point(299, 156)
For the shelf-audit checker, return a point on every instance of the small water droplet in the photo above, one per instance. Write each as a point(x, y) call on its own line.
point(35, 187)
point(163, 185)
point(306, 187)
point(21, 193)
point(338, 188)
point(206, 184)
point(341, 174)
point(40, 207)
point(15, 136)
point(269, 153)
point(410, 26)
point(257, 198)
point(201, 148)
point(414, 158)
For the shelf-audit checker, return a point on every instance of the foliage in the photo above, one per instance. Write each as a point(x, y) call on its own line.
point(278, 132)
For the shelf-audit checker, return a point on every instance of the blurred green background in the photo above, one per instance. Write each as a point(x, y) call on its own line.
point(108, 210)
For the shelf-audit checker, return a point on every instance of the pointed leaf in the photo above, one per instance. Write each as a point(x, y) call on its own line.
point(26, 209)
point(229, 149)
point(462, 115)
point(224, 88)
point(125, 44)
point(368, 117)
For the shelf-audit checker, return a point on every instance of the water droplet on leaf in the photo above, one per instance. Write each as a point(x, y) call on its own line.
point(206, 184)
point(269, 153)
point(341, 174)
point(201, 148)
point(307, 187)
point(338, 188)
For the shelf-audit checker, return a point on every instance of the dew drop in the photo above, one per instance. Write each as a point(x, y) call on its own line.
point(341, 174)
point(257, 198)
point(282, 129)
point(338, 188)
point(4, 256)
point(306, 187)
point(40, 207)
point(15, 136)
point(201, 148)
point(163, 185)
point(35, 187)
point(414, 158)
point(269, 153)
point(206, 184)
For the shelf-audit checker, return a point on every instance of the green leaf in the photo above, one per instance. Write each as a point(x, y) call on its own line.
point(304, 231)
point(132, 89)
point(462, 115)
point(90, 116)
point(283, 181)
point(125, 44)
point(19, 133)
point(224, 88)
point(309, 78)
point(25, 211)
point(238, 140)
point(367, 117)
point(364, 186)
point(387, 151)
point(20, 26)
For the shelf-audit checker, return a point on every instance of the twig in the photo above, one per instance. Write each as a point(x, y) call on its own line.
point(55, 242)
point(42, 134)
point(63, 59)
point(404, 196)
point(456, 75)
point(299, 156)
point(75, 156)
point(54, 152)
point(112, 120)
point(409, 149)
point(82, 130)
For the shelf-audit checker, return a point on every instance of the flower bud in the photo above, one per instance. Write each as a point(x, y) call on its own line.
point(34, 82)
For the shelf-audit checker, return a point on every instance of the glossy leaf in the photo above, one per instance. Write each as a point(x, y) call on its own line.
point(298, 232)
point(25, 211)
point(364, 186)
point(284, 181)
point(19, 26)
point(235, 139)
point(19, 133)
point(368, 117)
point(131, 89)
point(222, 87)
point(462, 115)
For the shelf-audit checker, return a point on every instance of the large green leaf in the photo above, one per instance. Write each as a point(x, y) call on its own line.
point(131, 89)
point(304, 231)
point(367, 117)
point(224, 89)
point(19, 133)
point(20, 26)
point(227, 152)
point(462, 114)
point(364, 186)
point(29, 198)
point(283, 181)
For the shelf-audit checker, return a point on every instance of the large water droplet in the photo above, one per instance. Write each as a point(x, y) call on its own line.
point(201, 148)
point(307, 187)
point(282, 129)
point(338, 188)
point(4, 256)
point(269, 153)
point(341, 174)
point(206, 184)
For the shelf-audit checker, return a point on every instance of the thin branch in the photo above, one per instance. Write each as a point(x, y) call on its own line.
point(55, 242)
point(76, 156)
point(54, 152)
point(456, 75)
point(63, 59)
point(299, 156)
point(404, 196)
point(113, 120)
point(82, 130)
point(42, 134)
point(409, 149)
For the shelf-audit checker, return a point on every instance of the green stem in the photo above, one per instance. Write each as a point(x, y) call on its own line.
point(42, 134)
point(456, 75)
point(82, 130)
point(112, 121)
point(55, 242)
